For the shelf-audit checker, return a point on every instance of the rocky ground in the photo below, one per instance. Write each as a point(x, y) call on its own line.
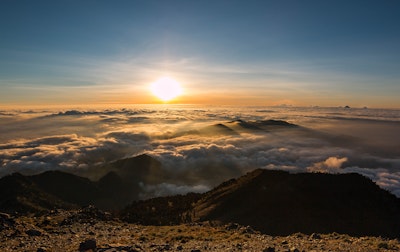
point(90, 229)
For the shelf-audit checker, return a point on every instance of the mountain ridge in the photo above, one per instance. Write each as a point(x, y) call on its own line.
point(271, 201)
point(280, 203)
point(59, 189)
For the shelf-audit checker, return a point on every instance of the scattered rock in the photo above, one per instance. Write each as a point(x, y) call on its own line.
point(315, 236)
point(33, 232)
point(118, 248)
point(269, 249)
point(247, 230)
point(119, 237)
point(89, 214)
point(88, 244)
point(6, 221)
point(232, 226)
point(161, 247)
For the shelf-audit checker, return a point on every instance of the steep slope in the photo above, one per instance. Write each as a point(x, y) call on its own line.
point(120, 186)
point(279, 203)
point(57, 189)
point(20, 194)
point(127, 175)
point(142, 168)
point(68, 187)
point(117, 192)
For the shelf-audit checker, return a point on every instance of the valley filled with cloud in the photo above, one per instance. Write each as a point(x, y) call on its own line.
point(200, 147)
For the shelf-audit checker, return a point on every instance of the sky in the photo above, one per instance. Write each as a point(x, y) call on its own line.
point(303, 53)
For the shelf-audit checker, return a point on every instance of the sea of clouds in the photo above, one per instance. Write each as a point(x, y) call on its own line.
point(196, 154)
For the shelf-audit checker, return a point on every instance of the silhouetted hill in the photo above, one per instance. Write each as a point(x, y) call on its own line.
point(142, 168)
point(279, 203)
point(243, 124)
point(113, 185)
point(68, 187)
point(20, 194)
point(237, 126)
point(217, 129)
point(57, 189)
point(264, 125)
point(123, 182)
point(274, 123)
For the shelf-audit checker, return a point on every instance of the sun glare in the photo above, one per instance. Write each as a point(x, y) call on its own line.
point(166, 89)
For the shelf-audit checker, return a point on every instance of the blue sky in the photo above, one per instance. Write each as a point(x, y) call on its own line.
point(328, 53)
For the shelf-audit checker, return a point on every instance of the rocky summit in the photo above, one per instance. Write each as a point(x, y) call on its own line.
point(90, 229)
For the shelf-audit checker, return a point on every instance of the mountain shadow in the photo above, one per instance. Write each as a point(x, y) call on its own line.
point(57, 189)
point(279, 203)
point(142, 168)
point(68, 187)
point(19, 194)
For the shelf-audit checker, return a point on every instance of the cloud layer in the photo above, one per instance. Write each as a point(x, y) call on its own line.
point(201, 147)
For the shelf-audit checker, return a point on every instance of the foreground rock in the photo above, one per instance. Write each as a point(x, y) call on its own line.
point(107, 236)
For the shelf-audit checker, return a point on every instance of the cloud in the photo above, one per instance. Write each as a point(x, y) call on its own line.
point(166, 189)
point(81, 141)
point(381, 176)
point(68, 152)
point(123, 111)
point(330, 165)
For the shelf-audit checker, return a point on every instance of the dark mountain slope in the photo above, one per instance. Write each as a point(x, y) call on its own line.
point(263, 125)
point(123, 181)
point(169, 210)
point(57, 189)
point(68, 187)
point(20, 194)
point(217, 129)
point(142, 168)
point(274, 202)
point(279, 203)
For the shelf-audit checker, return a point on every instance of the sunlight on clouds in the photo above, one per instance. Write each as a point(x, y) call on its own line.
point(202, 145)
point(331, 165)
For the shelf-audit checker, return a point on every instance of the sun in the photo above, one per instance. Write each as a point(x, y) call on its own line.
point(166, 88)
